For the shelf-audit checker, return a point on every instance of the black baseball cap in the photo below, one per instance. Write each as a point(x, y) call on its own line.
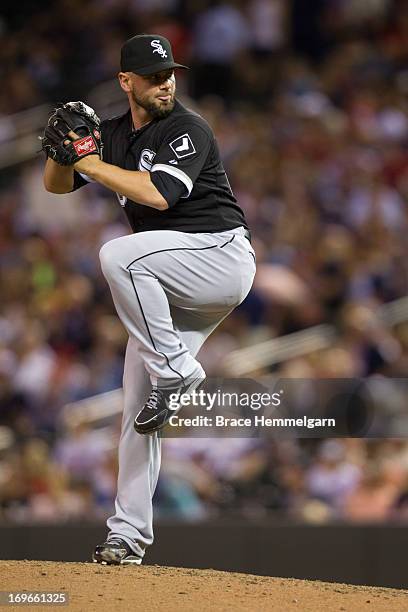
point(146, 54)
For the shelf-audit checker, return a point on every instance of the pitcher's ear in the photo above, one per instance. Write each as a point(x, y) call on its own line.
point(125, 81)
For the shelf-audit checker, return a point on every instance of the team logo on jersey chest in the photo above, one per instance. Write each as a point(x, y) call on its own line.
point(122, 199)
point(146, 160)
point(183, 146)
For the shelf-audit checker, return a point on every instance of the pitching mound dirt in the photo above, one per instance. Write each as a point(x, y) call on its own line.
point(150, 588)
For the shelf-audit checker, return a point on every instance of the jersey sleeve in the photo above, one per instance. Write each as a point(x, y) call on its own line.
point(180, 160)
point(79, 180)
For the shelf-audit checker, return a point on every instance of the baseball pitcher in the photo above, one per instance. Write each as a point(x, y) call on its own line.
point(186, 265)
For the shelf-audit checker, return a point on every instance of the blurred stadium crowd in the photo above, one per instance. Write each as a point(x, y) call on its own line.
point(309, 104)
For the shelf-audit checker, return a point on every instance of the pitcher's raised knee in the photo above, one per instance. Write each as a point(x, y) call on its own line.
point(110, 256)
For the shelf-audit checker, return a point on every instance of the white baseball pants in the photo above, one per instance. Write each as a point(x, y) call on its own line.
point(171, 289)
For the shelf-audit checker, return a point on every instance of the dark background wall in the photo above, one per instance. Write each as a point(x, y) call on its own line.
point(367, 554)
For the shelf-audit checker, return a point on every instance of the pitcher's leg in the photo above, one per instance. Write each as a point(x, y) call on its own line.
point(143, 308)
point(140, 456)
point(202, 289)
point(208, 274)
point(139, 462)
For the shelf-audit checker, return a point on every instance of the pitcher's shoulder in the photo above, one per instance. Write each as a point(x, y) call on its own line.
point(187, 116)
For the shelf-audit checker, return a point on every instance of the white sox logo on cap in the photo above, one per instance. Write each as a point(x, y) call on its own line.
point(158, 48)
point(146, 54)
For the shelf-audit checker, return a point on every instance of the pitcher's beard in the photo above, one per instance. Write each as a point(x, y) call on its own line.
point(157, 110)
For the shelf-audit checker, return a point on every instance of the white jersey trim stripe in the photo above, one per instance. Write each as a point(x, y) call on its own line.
point(177, 173)
point(86, 178)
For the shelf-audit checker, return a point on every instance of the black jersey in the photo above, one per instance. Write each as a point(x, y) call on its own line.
point(182, 155)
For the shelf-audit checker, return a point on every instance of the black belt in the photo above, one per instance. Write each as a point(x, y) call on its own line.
point(247, 235)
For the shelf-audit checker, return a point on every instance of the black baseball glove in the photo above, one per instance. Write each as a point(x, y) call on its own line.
point(74, 117)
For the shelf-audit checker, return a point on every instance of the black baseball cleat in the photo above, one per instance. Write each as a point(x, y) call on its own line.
point(161, 405)
point(115, 552)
